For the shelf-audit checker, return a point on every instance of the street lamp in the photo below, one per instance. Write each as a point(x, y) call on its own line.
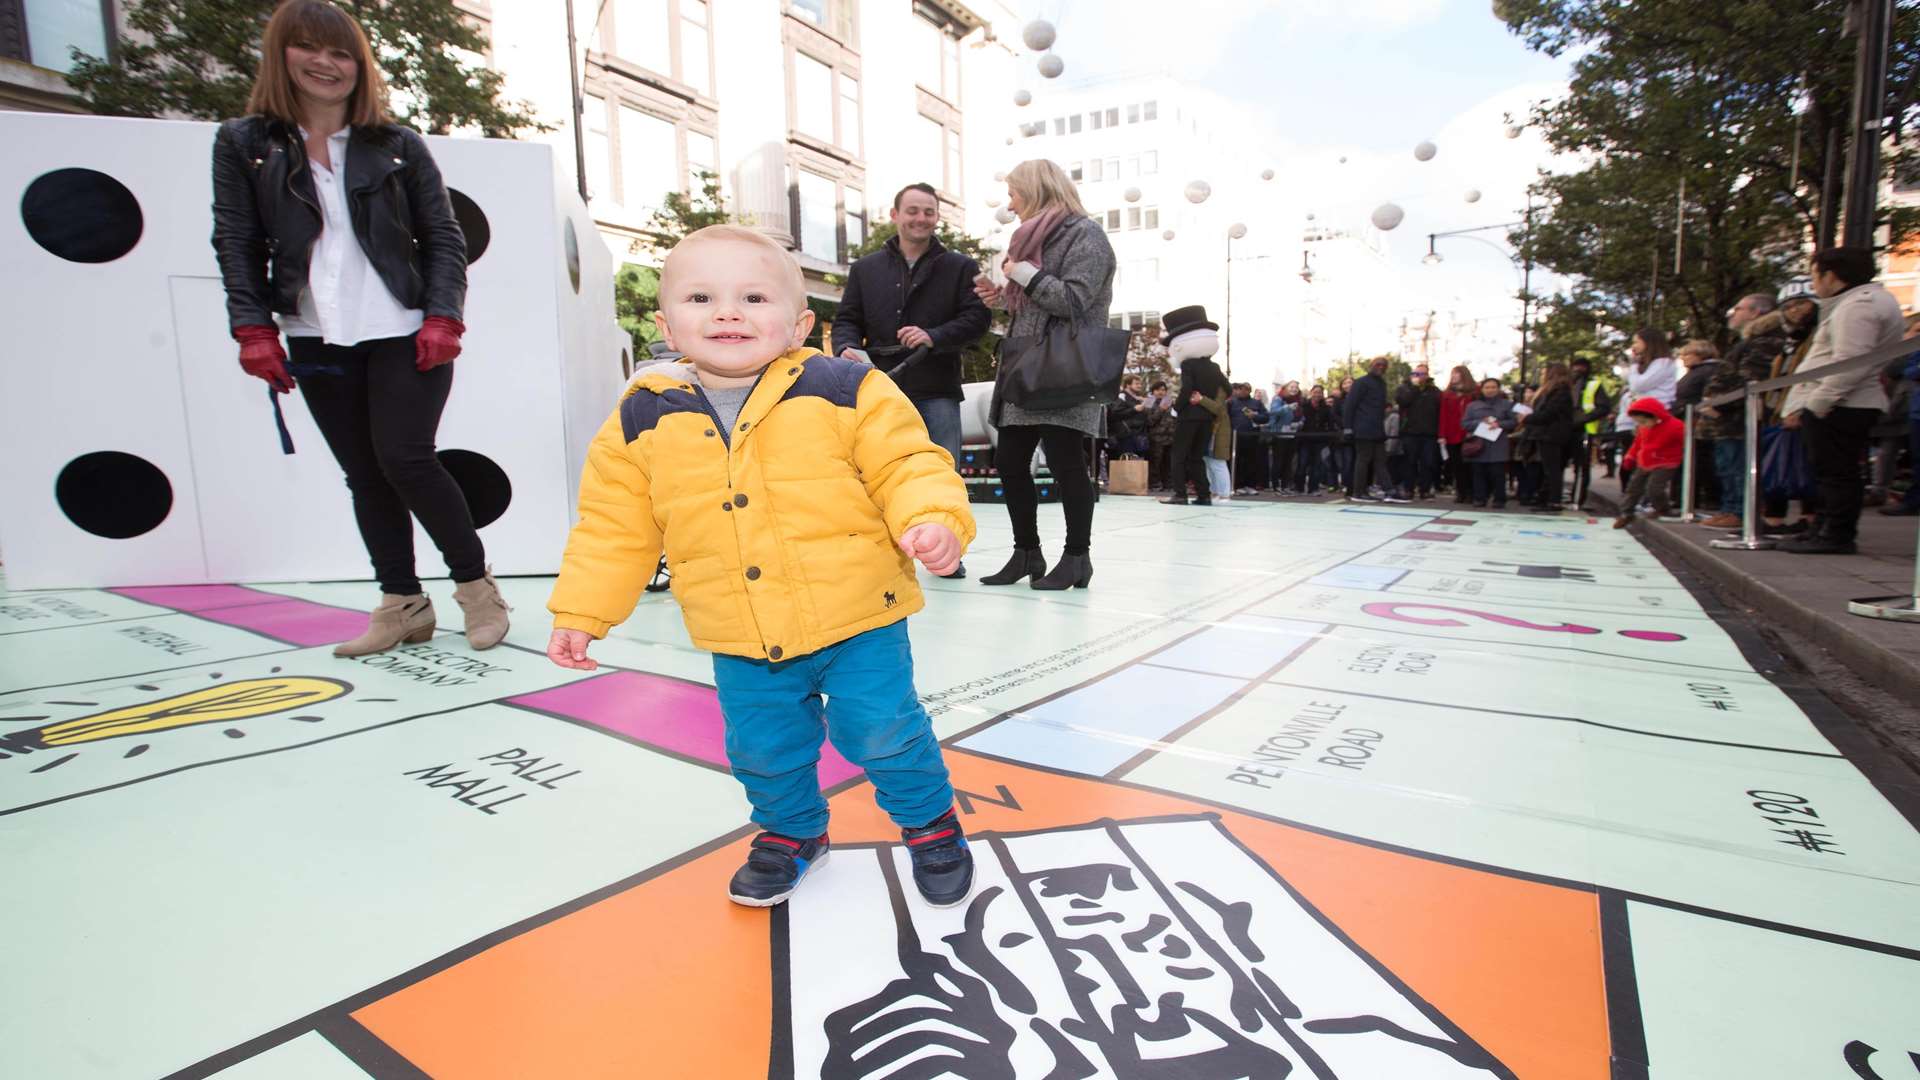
point(1434, 258)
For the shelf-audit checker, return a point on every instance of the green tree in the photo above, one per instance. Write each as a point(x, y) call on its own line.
point(977, 361)
point(197, 58)
point(1356, 365)
point(1673, 92)
point(636, 289)
point(1147, 358)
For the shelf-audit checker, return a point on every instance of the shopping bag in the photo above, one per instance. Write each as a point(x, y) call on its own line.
point(1127, 476)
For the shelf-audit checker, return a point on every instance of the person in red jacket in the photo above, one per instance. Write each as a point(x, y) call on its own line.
point(1659, 442)
point(1460, 392)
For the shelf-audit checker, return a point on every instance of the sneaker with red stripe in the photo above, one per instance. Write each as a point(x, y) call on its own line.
point(942, 865)
point(775, 864)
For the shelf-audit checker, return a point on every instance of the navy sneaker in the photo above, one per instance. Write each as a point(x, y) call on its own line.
point(775, 865)
point(942, 865)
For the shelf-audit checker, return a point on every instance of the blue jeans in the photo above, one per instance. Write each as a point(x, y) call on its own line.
point(859, 693)
point(1730, 466)
point(942, 416)
point(1912, 499)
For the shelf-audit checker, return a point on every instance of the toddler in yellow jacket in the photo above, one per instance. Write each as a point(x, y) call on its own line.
point(790, 492)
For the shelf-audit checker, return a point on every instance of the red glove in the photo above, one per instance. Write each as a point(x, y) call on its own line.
point(438, 342)
point(262, 357)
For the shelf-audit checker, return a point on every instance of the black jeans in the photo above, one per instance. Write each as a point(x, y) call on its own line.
point(1369, 465)
point(1553, 486)
point(1249, 460)
point(1190, 445)
point(1067, 460)
point(379, 415)
point(1836, 443)
point(1489, 481)
point(1423, 454)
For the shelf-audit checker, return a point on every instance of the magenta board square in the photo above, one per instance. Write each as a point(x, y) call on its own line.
point(680, 718)
point(1437, 537)
point(296, 622)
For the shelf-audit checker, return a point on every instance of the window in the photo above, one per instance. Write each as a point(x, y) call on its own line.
point(819, 218)
point(1117, 320)
point(1033, 129)
point(1093, 169)
point(1150, 111)
point(53, 27)
point(1073, 124)
point(1133, 114)
point(1075, 171)
point(812, 97)
point(856, 216)
point(1149, 163)
point(950, 66)
point(599, 148)
point(1136, 320)
point(694, 69)
point(1113, 117)
point(701, 158)
point(1113, 168)
point(954, 175)
point(833, 16)
point(932, 155)
point(1093, 120)
point(1153, 217)
point(850, 114)
point(649, 159)
point(1113, 221)
point(642, 34)
point(1059, 125)
point(1133, 217)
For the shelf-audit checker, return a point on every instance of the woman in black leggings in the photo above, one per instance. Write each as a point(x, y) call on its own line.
point(333, 221)
point(1059, 267)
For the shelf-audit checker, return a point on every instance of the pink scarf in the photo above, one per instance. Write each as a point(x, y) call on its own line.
point(1028, 242)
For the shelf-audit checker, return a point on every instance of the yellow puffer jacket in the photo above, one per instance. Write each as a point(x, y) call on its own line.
point(781, 543)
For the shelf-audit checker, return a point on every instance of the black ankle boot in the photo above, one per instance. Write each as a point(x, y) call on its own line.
point(1026, 562)
point(1071, 572)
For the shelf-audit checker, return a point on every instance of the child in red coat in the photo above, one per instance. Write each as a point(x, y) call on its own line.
point(1659, 442)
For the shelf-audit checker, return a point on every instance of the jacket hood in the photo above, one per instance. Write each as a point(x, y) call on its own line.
point(1773, 322)
point(1651, 406)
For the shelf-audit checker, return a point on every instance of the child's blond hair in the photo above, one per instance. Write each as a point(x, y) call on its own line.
point(1702, 348)
point(747, 235)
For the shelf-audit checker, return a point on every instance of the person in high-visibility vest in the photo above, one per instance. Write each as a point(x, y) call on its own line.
point(1595, 406)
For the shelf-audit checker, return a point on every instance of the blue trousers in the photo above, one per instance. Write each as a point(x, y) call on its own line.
point(1730, 466)
point(858, 693)
point(942, 416)
point(1912, 499)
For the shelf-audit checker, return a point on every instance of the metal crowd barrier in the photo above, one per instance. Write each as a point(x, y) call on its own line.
point(1899, 608)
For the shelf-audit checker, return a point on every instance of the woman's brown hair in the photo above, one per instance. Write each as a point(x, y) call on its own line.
point(1460, 380)
point(1553, 378)
point(315, 24)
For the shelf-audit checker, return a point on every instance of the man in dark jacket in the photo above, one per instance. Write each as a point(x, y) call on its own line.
point(1247, 415)
point(912, 293)
point(1750, 360)
point(1419, 402)
point(1363, 417)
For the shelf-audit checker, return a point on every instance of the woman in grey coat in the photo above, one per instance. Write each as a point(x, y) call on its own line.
point(1490, 464)
point(1059, 267)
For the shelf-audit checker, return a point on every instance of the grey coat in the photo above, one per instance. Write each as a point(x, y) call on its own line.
point(1075, 283)
point(1501, 409)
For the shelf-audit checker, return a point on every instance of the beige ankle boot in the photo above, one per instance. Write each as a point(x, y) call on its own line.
point(397, 619)
point(486, 611)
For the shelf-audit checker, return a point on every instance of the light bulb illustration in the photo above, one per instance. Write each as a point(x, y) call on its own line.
point(240, 700)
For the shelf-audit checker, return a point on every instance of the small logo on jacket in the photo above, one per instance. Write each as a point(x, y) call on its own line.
point(891, 599)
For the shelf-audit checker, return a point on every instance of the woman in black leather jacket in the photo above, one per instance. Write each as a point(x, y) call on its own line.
point(333, 221)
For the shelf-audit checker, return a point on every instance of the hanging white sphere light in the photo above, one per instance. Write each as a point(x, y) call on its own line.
point(1387, 217)
point(1132, 194)
point(1473, 195)
point(993, 201)
point(999, 178)
point(1514, 130)
point(1343, 159)
point(1266, 174)
point(1009, 140)
point(1199, 191)
point(1237, 230)
point(1425, 150)
point(1038, 35)
point(1310, 217)
point(1022, 98)
point(1003, 215)
point(1168, 235)
point(1051, 66)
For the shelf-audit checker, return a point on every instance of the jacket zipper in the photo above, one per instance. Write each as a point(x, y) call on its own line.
point(299, 159)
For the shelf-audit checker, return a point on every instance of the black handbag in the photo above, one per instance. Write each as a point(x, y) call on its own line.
point(1064, 365)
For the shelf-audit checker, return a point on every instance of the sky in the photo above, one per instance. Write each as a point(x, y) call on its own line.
point(1309, 82)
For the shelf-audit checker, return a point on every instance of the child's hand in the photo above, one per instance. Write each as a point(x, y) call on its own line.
point(568, 648)
point(934, 545)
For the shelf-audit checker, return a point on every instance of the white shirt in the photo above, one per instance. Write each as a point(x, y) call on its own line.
point(1659, 381)
point(345, 302)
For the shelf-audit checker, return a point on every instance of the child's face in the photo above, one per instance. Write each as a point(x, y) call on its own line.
point(730, 307)
point(1642, 422)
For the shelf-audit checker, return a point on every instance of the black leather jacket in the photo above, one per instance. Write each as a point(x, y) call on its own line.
point(266, 216)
